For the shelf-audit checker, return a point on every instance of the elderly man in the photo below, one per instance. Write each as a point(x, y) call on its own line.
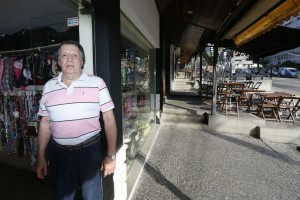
point(70, 111)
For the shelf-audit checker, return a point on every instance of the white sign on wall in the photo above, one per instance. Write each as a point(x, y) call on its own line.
point(73, 21)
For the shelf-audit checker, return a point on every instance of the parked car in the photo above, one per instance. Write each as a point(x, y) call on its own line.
point(298, 75)
point(290, 73)
point(281, 71)
point(287, 72)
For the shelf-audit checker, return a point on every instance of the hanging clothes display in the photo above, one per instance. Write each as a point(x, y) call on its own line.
point(19, 107)
point(30, 69)
point(19, 122)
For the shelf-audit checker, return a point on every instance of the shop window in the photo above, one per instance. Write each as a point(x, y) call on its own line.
point(138, 88)
point(28, 60)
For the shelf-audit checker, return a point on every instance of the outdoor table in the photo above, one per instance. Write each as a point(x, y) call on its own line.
point(247, 97)
point(228, 97)
point(270, 102)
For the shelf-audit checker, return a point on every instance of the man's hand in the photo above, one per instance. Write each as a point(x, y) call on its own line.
point(43, 140)
point(41, 168)
point(108, 166)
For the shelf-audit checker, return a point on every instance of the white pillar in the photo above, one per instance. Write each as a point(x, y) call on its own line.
point(86, 38)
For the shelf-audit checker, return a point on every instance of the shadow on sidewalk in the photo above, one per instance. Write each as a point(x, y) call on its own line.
point(267, 151)
point(160, 179)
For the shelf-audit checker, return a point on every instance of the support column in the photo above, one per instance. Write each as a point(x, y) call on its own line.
point(214, 96)
point(86, 38)
point(107, 47)
point(107, 54)
point(200, 71)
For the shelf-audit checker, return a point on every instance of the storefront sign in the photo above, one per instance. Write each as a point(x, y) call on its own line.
point(73, 21)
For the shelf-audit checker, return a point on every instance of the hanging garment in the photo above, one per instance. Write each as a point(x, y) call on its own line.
point(11, 73)
point(27, 72)
point(19, 77)
point(55, 68)
point(1, 72)
point(18, 72)
point(39, 69)
point(6, 75)
point(18, 66)
point(47, 70)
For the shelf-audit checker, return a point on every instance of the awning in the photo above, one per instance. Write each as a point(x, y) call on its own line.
point(276, 16)
point(277, 40)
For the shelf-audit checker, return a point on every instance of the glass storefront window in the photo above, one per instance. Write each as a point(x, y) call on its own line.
point(137, 71)
point(30, 49)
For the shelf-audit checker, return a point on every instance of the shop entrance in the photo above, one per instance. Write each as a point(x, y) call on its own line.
point(29, 36)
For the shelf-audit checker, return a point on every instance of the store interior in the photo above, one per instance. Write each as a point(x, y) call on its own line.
point(28, 59)
point(29, 36)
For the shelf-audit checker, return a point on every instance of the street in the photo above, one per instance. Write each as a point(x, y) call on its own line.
point(291, 85)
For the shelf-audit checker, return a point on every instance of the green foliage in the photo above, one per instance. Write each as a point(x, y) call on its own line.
point(264, 63)
point(288, 63)
point(291, 64)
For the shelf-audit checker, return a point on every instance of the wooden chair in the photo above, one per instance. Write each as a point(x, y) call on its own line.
point(249, 84)
point(209, 89)
point(296, 108)
point(256, 85)
point(232, 98)
point(268, 108)
point(238, 91)
point(253, 100)
point(244, 97)
point(221, 93)
point(206, 90)
point(287, 108)
point(203, 90)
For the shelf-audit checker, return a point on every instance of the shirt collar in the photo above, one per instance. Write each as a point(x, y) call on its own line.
point(81, 78)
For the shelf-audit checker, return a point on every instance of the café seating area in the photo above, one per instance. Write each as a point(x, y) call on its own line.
point(246, 96)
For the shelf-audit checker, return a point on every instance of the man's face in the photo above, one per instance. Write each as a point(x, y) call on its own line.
point(70, 59)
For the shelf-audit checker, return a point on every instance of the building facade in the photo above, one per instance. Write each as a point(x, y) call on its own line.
point(120, 39)
point(289, 55)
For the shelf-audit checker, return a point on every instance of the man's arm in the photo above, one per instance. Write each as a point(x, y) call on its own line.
point(43, 140)
point(111, 135)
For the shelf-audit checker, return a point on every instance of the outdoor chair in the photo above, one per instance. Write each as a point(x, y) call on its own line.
point(206, 90)
point(232, 98)
point(253, 100)
point(249, 84)
point(221, 94)
point(268, 108)
point(287, 108)
point(256, 85)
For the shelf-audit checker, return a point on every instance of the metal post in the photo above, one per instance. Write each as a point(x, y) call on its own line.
point(201, 70)
point(194, 63)
point(214, 96)
point(271, 72)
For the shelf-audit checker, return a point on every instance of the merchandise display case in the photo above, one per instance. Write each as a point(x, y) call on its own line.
point(137, 119)
point(138, 89)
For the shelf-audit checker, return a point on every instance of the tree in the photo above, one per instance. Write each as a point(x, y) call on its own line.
point(209, 59)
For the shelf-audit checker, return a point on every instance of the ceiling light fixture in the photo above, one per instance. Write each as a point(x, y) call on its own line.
point(190, 12)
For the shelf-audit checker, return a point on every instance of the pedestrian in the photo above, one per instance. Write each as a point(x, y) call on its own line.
point(69, 130)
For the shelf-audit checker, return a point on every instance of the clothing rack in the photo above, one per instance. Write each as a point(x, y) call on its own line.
point(31, 50)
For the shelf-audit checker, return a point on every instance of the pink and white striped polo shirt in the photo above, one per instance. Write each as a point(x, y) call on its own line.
point(74, 111)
